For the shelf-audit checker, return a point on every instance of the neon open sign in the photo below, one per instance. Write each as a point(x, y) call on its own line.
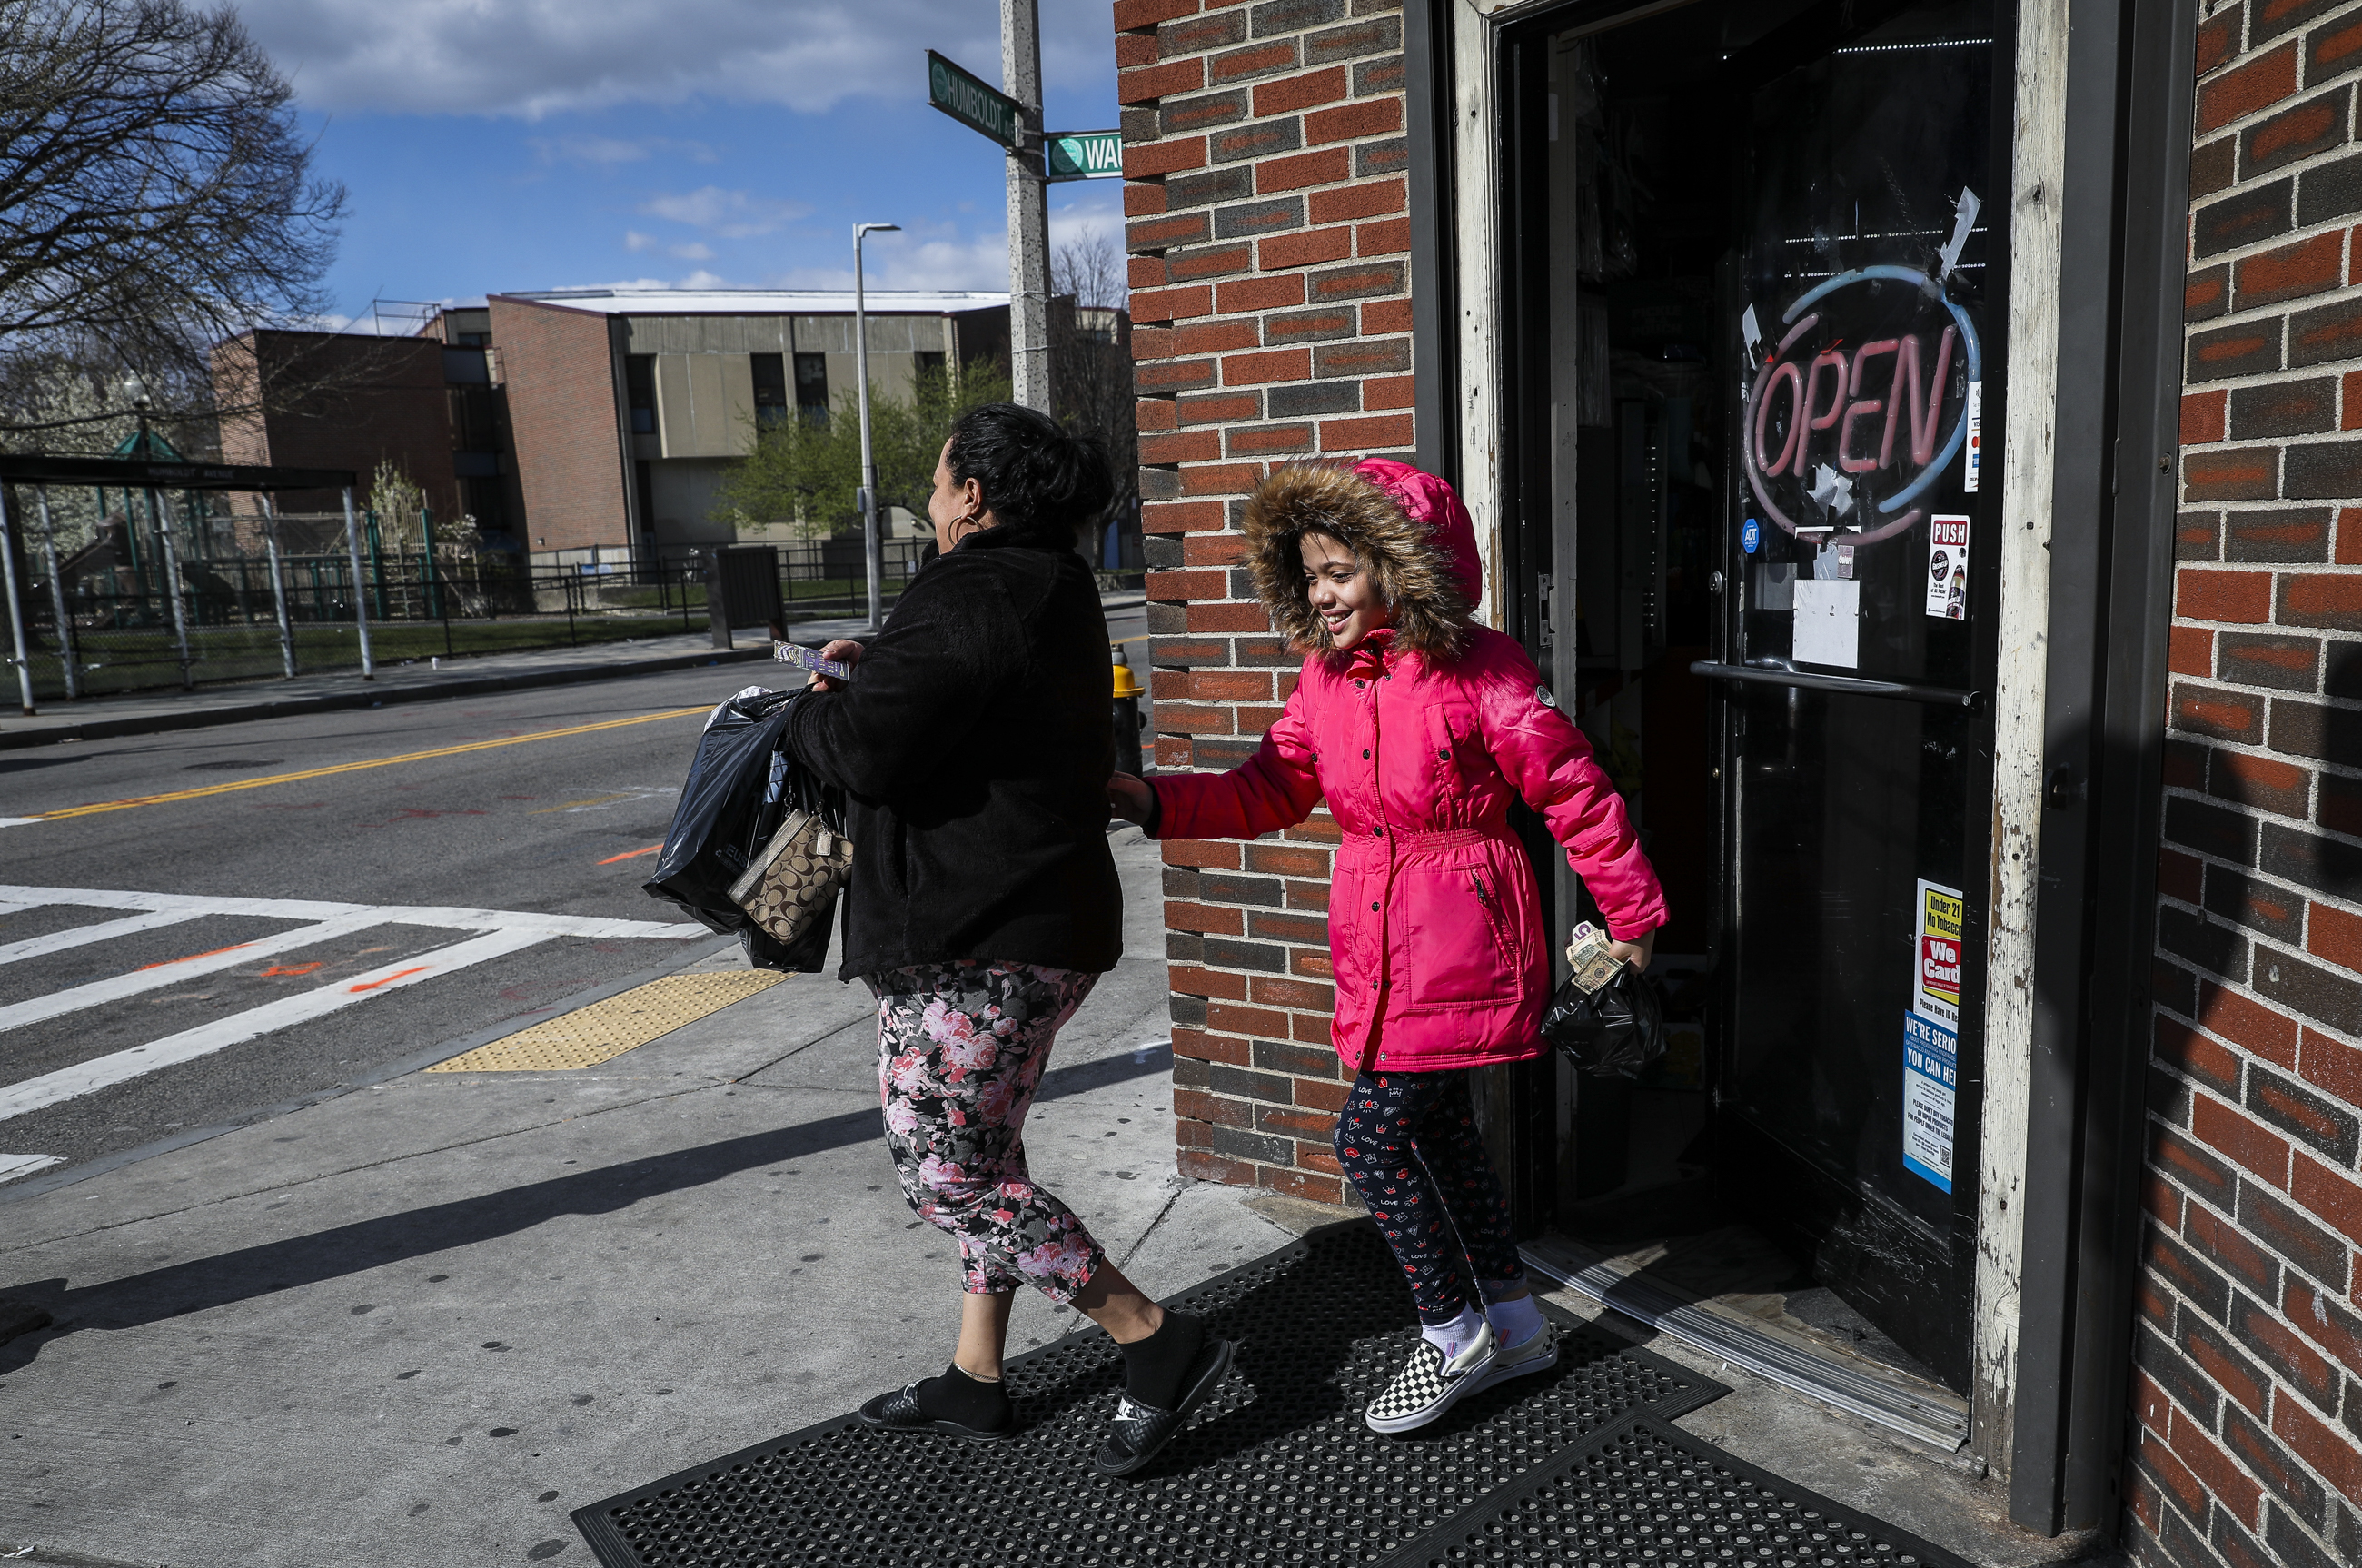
point(1862, 407)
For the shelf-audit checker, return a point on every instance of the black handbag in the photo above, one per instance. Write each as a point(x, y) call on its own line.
point(1611, 1033)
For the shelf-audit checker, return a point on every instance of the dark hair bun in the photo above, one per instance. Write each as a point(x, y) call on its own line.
point(1040, 481)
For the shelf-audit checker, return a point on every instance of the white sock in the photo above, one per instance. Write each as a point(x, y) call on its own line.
point(1514, 1322)
point(1455, 1336)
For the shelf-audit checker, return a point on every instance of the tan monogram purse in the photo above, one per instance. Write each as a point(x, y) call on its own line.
point(794, 881)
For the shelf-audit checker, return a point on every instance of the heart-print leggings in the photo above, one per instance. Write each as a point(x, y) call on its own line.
point(960, 1052)
point(1409, 1144)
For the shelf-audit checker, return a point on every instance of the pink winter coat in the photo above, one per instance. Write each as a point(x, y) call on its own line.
point(1435, 927)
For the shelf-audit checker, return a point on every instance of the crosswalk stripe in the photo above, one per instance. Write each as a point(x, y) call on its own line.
point(82, 936)
point(37, 1009)
point(119, 1066)
point(458, 916)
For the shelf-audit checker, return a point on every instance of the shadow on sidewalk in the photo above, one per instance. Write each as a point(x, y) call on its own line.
point(247, 1273)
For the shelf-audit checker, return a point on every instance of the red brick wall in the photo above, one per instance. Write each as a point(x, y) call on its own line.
point(561, 394)
point(338, 401)
point(1267, 171)
point(2248, 1392)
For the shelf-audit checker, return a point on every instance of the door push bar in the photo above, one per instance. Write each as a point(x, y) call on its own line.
point(1935, 696)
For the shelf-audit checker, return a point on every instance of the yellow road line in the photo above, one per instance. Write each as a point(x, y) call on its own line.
point(356, 767)
point(570, 805)
point(605, 1029)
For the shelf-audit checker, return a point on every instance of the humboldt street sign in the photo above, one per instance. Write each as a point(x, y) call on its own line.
point(967, 100)
point(1084, 155)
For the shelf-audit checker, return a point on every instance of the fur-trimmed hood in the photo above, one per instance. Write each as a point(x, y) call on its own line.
point(1408, 527)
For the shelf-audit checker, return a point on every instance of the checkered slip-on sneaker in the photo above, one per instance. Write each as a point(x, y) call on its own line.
point(1537, 1352)
point(1428, 1385)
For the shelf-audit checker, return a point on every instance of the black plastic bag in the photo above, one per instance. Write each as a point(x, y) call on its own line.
point(721, 819)
point(1611, 1033)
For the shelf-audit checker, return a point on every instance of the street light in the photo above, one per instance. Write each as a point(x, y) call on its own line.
point(871, 546)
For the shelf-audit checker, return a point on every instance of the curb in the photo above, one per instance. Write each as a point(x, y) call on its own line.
point(203, 718)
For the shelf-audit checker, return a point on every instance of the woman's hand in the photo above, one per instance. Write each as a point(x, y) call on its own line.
point(1129, 798)
point(1636, 953)
point(844, 650)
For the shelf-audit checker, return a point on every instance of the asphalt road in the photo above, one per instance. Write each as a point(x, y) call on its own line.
point(536, 824)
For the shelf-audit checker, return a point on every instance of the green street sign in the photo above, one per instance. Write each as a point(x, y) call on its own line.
point(967, 100)
point(1084, 154)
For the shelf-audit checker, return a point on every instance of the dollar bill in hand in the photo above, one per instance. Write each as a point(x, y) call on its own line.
point(1587, 955)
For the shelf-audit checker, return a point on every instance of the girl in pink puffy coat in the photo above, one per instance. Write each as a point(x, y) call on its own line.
point(1418, 727)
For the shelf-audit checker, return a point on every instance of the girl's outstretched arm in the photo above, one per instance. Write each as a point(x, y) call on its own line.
point(1277, 788)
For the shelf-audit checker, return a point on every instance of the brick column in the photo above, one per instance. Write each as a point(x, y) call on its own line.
point(2247, 1432)
point(1266, 196)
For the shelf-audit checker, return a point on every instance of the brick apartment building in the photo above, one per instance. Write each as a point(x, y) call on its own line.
point(585, 425)
point(1918, 444)
point(628, 407)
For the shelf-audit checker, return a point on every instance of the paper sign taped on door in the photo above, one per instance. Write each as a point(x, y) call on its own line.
point(1948, 568)
point(1930, 1087)
point(1828, 623)
point(1935, 951)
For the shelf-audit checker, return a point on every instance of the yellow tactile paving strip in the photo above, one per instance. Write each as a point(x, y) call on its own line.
point(605, 1029)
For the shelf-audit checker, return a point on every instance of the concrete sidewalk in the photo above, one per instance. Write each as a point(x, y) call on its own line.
point(414, 1325)
point(473, 674)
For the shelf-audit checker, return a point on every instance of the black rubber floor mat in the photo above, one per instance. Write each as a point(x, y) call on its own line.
point(1277, 1468)
point(1648, 1494)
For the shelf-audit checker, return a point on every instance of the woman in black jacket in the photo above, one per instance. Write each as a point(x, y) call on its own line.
point(973, 746)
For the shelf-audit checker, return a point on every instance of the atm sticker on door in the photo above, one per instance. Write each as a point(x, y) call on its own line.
point(1948, 568)
point(1936, 988)
point(1930, 1085)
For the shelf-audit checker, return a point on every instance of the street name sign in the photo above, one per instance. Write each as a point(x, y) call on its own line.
point(1084, 155)
point(966, 99)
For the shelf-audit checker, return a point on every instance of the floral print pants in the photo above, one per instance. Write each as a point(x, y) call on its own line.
point(960, 1052)
point(1408, 1142)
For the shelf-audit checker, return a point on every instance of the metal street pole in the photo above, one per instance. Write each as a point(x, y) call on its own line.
point(360, 611)
point(67, 651)
point(278, 586)
point(161, 520)
point(872, 547)
point(16, 607)
point(1029, 208)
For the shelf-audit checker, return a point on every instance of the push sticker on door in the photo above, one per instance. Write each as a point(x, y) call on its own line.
point(1935, 952)
point(1948, 568)
point(1930, 1085)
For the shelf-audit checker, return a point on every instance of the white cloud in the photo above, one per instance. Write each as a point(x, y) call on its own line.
point(732, 215)
point(602, 151)
point(695, 250)
point(943, 256)
point(531, 58)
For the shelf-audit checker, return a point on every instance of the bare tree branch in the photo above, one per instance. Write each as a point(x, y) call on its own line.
point(1091, 353)
point(155, 198)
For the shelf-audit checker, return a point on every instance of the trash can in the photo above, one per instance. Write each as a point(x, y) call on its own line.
point(742, 589)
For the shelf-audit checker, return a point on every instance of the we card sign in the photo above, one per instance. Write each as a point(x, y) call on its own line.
point(1936, 988)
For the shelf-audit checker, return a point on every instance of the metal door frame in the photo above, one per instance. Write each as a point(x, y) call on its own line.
point(2111, 143)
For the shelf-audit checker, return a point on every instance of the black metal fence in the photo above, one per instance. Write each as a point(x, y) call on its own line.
point(245, 617)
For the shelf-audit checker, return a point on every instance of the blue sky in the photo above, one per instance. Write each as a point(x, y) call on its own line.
point(491, 145)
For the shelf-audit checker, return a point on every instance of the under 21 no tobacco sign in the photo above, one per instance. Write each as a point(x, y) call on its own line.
point(1931, 1051)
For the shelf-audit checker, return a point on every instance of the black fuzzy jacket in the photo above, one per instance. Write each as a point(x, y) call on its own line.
point(973, 744)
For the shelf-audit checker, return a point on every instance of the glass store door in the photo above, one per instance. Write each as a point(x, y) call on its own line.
point(1854, 662)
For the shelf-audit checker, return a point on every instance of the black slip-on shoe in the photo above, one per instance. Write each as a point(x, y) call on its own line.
point(1139, 1431)
point(899, 1412)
